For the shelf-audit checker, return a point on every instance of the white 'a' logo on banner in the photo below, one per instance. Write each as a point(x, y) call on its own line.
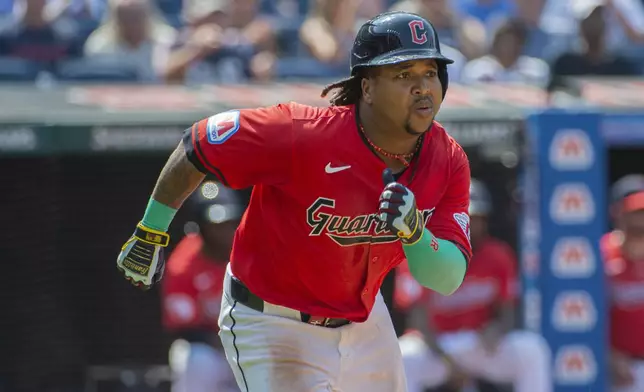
point(572, 203)
point(571, 150)
point(574, 311)
point(575, 365)
point(573, 257)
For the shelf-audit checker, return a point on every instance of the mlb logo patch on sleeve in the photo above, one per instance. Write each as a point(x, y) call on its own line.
point(222, 126)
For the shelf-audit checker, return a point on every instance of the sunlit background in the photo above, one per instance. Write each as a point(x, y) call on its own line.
point(546, 96)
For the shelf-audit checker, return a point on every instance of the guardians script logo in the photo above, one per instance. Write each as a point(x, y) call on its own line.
point(347, 230)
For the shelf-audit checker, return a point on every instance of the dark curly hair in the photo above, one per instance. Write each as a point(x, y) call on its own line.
point(349, 90)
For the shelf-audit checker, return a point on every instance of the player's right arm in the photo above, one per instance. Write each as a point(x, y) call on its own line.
point(178, 179)
point(241, 148)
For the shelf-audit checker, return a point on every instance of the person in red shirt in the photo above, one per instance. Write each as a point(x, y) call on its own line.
point(341, 195)
point(623, 255)
point(469, 335)
point(192, 289)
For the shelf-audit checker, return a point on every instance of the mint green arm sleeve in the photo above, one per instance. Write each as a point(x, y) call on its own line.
point(441, 270)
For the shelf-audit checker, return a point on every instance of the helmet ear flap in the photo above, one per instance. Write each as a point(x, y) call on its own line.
point(443, 77)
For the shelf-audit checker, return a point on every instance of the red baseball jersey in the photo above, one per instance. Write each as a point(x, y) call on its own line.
point(310, 238)
point(192, 288)
point(626, 294)
point(491, 280)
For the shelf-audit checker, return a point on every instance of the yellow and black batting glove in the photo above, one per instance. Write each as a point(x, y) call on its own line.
point(141, 259)
point(397, 208)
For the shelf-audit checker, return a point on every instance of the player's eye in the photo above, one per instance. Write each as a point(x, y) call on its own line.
point(403, 75)
point(432, 73)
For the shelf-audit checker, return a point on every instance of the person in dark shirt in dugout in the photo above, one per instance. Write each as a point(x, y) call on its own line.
point(594, 57)
point(34, 35)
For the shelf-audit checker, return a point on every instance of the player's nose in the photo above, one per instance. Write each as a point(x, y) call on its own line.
point(422, 87)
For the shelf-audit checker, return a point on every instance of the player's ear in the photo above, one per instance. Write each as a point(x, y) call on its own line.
point(365, 85)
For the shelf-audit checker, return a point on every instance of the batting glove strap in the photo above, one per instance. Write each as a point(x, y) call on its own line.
point(414, 222)
point(151, 236)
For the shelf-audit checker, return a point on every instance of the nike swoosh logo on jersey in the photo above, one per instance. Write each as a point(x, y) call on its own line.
point(330, 170)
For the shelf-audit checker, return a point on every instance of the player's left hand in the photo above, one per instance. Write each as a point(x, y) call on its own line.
point(398, 210)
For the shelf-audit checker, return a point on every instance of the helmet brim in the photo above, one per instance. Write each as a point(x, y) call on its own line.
point(400, 56)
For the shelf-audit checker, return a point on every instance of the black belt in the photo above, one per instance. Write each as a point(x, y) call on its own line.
point(240, 293)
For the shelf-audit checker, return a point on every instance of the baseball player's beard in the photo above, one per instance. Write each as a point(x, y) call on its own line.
point(410, 130)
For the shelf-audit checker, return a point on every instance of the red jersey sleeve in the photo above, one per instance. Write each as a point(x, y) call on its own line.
point(451, 220)
point(244, 147)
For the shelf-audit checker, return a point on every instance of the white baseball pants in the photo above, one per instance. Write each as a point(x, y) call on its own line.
point(522, 359)
point(275, 352)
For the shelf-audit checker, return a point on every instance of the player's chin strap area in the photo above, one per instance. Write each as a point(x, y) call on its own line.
point(240, 293)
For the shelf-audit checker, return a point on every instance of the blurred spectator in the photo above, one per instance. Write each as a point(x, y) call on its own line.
point(624, 24)
point(469, 335)
point(623, 254)
point(86, 13)
point(505, 62)
point(284, 8)
point(133, 33)
point(488, 12)
point(438, 12)
point(329, 31)
point(593, 57)
point(529, 11)
point(86, 10)
point(367, 9)
point(466, 35)
point(630, 18)
point(192, 288)
point(224, 41)
point(629, 28)
point(480, 19)
point(6, 6)
point(31, 33)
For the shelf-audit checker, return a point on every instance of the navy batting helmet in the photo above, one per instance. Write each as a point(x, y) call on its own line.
point(480, 201)
point(395, 37)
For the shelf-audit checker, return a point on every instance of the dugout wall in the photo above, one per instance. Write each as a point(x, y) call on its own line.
point(571, 158)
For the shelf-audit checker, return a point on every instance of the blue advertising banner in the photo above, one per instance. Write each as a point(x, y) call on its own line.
point(564, 218)
point(624, 129)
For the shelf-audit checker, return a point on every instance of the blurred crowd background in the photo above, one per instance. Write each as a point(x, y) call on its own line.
point(70, 323)
point(230, 41)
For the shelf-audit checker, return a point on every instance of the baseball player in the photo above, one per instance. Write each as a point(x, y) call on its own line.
point(469, 334)
point(192, 289)
point(623, 254)
point(341, 195)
